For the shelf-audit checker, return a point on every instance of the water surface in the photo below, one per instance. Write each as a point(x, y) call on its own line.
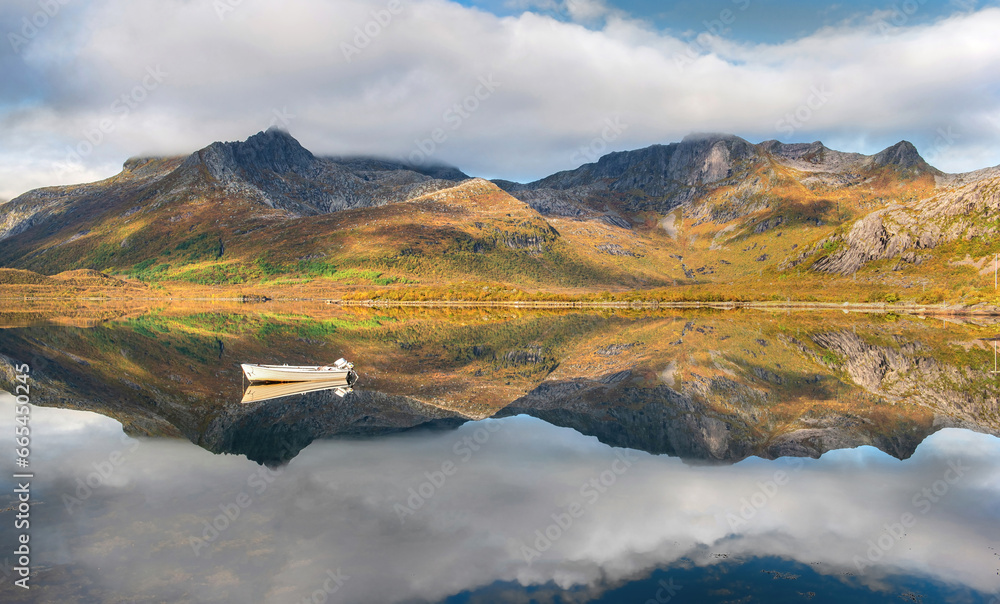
point(516, 457)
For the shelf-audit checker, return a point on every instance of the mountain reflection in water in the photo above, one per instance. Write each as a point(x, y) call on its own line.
point(711, 386)
point(499, 455)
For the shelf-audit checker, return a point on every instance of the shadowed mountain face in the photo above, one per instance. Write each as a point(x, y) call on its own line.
point(272, 434)
point(704, 387)
point(273, 167)
point(662, 177)
point(663, 421)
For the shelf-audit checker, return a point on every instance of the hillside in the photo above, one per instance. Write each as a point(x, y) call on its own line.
point(711, 217)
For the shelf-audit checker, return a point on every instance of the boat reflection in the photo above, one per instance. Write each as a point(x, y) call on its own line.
point(257, 391)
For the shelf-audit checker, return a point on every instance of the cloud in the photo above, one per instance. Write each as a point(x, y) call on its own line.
point(359, 78)
point(580, 11)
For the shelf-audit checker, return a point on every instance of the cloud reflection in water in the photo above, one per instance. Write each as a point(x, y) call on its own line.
point(337, 506)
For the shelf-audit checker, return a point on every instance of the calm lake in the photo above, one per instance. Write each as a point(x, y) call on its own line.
point(503, 455)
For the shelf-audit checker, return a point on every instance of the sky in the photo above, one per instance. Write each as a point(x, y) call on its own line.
point(514, 89)
point(335, 507)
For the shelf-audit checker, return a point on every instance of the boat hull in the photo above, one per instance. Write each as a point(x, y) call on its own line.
point(291, 373)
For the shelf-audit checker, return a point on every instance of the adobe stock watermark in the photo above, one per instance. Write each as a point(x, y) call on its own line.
point(463, 450)
point(453, 117)
point(923, 501)
point(817, 98)
point(281, 118)
point(335, 579)
point(365, 34)
point(87, 485)
point(715, 27)
point(120, 110)
point(592, 151)
point(260, 481)
point(32, 25)
point(591, 492)
point(766, 491)
point(224, 7)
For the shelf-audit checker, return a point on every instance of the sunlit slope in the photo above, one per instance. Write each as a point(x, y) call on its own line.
point(470, 232)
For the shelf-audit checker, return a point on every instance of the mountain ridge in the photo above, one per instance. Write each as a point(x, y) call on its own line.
point(707, 210)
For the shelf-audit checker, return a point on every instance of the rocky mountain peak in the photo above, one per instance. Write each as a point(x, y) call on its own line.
point(902, 155)
point(674, 173)
point(274, 151)
point(710, 138)
point(703, 158)
point(700, 158)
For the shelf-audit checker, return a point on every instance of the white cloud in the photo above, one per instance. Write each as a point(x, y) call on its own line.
point(559, 82)
point(581, 11)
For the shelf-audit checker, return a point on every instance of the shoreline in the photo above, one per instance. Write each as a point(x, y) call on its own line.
point(860, 307)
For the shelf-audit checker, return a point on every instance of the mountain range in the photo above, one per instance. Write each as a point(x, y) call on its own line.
point(713, 216)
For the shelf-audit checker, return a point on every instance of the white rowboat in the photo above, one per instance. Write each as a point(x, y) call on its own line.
point(341, 370)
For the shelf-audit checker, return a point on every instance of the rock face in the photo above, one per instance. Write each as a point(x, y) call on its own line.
point(903, 156)
point(276, 170)
point(664, 175)
point(272, 151)
point(714, 178)
point(811, 157)
point(661, 170)
point(961, 213)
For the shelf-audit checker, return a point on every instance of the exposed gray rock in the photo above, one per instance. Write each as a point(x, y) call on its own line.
point(613, 249)
point(966, 395)
point(903, 155)
point(964, 212)
point(811, 157)
point(617, 221)
point(273, 168)
point(270, 168)
point(659, 177)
